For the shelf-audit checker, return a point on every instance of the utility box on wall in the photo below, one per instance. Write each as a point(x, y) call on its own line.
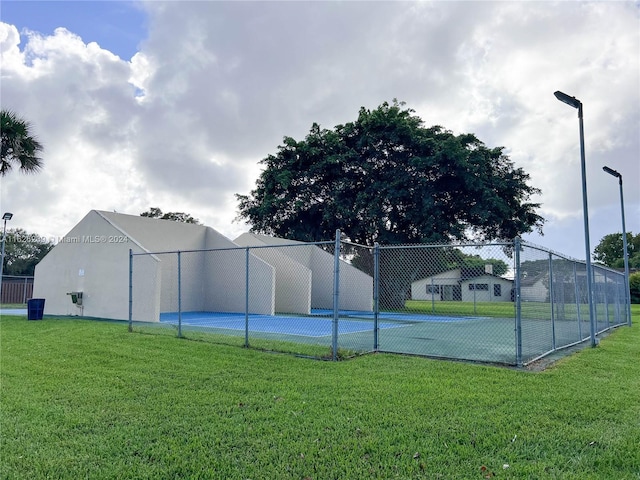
point(76, 298)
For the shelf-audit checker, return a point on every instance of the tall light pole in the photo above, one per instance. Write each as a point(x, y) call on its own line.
point(625, 251)
point(575, 103)
point(5, 217)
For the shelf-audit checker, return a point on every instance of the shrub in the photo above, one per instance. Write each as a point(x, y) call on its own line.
point(634, 287)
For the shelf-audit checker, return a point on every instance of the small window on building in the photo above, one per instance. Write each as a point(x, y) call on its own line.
point(479, 286)
point(497, 290)
point(433, 289)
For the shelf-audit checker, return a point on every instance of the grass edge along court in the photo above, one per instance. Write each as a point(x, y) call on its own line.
point(85, 399)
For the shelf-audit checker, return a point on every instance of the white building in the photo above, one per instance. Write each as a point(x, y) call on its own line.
point(444, 286)
point(486, 288)
point(535, 288)
point(93, 258)
point(304, 276)
point(87, 272)
point(451, 286)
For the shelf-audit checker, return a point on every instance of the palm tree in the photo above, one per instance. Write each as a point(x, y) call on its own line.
point(18, 146)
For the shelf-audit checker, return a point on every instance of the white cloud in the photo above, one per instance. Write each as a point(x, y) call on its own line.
point(216, 85)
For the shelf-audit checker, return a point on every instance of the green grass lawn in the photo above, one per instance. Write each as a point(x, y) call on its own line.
point(87, 399)
point(485, 309)
point(500, 309)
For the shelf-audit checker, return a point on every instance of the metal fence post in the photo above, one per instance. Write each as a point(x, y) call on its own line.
point(246, 297)
point(606, 300)
point(578, 313)
point(619, 314)
point(179, 296)
point(593, 314)
point(433, 297)
point(130, 290)
point(552, 303)
point(376, 295)
point(516, 246)
point(336, 296)
point(475, 289)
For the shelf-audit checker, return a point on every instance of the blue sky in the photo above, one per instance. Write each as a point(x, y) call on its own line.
point(115, 25)
point(175, 103)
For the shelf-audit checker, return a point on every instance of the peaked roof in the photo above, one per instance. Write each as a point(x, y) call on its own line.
point(457, 272)
point(531, 280)
point(155, 234)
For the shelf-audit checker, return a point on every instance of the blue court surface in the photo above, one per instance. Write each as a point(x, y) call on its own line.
point(319, 324)
point(315, 326)
point(13, 311)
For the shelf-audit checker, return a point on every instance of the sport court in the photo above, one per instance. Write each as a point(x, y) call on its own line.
point(318, 324)
point(471, 338)
point(484, 339)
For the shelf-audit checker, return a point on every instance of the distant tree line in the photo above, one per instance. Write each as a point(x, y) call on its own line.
point(23, 251)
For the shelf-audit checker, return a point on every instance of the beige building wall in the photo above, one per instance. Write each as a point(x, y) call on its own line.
point(225, 283)
point(293, 280)
point(94, 258)
point(168, 236)
point(356, 287)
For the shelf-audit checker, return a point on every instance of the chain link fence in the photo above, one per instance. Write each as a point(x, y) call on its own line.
point(508, 303)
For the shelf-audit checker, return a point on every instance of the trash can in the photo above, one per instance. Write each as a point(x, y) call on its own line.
point(35, 308)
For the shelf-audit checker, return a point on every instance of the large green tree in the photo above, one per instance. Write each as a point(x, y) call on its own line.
point(610, 250)
point(23, 251)
point(387, 178)
point(19, 147)
point(155, 212)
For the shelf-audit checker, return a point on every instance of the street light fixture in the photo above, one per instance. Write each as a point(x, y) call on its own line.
point(575, 103)
point(5, 217)
point(625, 252)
